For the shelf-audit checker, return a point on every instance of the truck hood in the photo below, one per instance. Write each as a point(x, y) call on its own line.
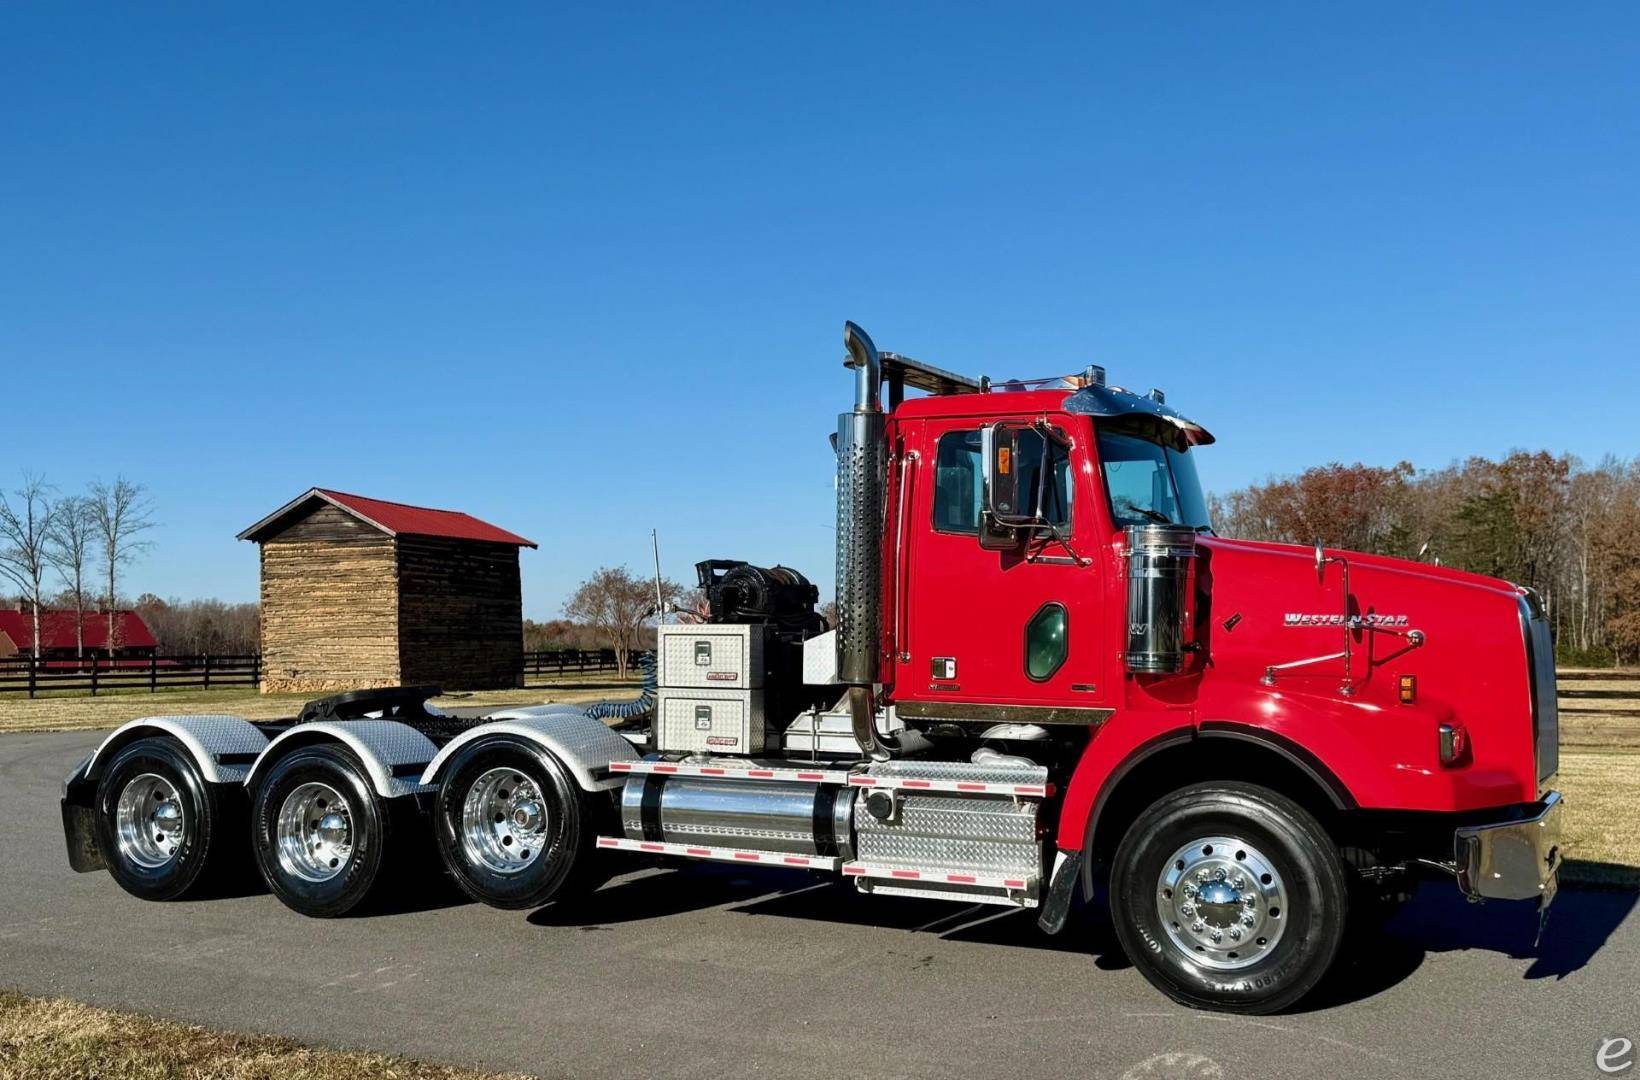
point(1461, 635)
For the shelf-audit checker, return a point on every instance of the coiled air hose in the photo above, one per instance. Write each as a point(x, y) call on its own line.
point(638, 706)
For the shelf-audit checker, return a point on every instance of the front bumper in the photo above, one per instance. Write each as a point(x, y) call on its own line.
point(1513, 860)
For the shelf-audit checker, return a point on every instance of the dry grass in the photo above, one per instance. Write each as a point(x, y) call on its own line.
point(52, 1038)
point(97, 713)
point(1602, 842)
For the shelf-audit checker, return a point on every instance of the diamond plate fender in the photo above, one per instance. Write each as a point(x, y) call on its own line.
point(393, 754)
point(583, 743)
point(222, 746)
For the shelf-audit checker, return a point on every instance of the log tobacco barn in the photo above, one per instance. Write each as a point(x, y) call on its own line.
point(358, 593)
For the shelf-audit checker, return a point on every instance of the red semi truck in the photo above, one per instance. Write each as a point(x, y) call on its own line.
point(1047, 676)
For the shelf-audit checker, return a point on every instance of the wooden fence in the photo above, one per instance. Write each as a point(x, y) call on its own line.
point(20, 674)
point(563, 661)
point(23, 675)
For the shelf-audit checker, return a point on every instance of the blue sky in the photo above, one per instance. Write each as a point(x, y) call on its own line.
point(584, 271)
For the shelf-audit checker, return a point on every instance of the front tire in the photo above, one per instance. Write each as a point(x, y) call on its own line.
point(323, 838)
point(514, 829)
point(1229, 896)
point(159, 826)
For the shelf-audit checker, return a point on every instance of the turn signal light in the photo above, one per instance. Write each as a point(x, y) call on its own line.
point(1409, 689)
point(1454, 743)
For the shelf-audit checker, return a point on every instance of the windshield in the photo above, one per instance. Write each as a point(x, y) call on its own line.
point(1150, 483)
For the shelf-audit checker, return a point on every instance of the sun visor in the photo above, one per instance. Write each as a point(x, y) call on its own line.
point(1114, 402)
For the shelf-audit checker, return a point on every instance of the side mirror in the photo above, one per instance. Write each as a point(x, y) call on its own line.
point(999, 451)
point(999, 488)
point(1320, 562)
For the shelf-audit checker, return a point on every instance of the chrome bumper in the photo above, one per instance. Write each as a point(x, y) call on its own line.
point(1515, 860)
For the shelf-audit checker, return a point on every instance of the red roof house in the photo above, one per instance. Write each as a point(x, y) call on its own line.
point(360, 592)
point(132, 636)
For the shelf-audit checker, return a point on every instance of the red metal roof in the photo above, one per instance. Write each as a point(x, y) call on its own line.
point(57, 630)
point(394, 519)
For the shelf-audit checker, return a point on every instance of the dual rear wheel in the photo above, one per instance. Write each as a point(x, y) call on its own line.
point(513, 828)
point(325, 842)
point(162, 831)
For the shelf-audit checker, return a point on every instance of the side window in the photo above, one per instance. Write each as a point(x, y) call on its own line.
point(957, 482)
point(1047, 641)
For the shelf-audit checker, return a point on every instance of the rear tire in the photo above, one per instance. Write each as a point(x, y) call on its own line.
point(514, 829)
point(1229, 896)
point(159, 825)
point(324, 840)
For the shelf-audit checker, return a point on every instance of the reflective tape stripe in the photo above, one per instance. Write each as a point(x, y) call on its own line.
point(673, 768)
point(1028, 791)
point(907, 873)
point(720, 854)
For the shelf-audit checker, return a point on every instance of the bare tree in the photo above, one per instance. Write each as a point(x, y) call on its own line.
point(618, 605)
point(25, 529)
point(69, 545)
point(122, 514)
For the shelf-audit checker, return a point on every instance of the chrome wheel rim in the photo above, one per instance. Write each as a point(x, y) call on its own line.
point(1222, 902)
point(314, 832)
point(503, 821)
point(149, 823)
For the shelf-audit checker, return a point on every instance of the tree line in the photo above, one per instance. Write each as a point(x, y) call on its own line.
point(195, 627)
point(1570, 531)
point(79, 542)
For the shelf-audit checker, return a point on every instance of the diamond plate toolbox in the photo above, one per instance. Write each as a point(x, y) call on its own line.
point(978, 834)
point(727, 657)
point(709, 721)
point(982, 834)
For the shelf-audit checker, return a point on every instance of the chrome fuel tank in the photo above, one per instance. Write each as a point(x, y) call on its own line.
point(758, 815)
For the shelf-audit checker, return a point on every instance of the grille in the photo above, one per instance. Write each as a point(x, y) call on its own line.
point(1540, 663)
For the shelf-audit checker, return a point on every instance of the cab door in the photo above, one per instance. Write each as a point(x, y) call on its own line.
point(1018, 627)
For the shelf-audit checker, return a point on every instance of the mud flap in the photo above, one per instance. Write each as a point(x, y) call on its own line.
point(80, 834)
point(1056, 906)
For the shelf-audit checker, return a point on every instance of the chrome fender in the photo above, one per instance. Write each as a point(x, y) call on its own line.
point(583, 743)
point(393, 754)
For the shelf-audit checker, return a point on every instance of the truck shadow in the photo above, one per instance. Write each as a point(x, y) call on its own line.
point(670, 890)
point(1437, 919)
point(1580, 923)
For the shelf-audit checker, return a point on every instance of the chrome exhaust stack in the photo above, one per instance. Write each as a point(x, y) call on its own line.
point(862, 471)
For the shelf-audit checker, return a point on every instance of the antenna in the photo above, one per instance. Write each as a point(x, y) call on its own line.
point(660, 605)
